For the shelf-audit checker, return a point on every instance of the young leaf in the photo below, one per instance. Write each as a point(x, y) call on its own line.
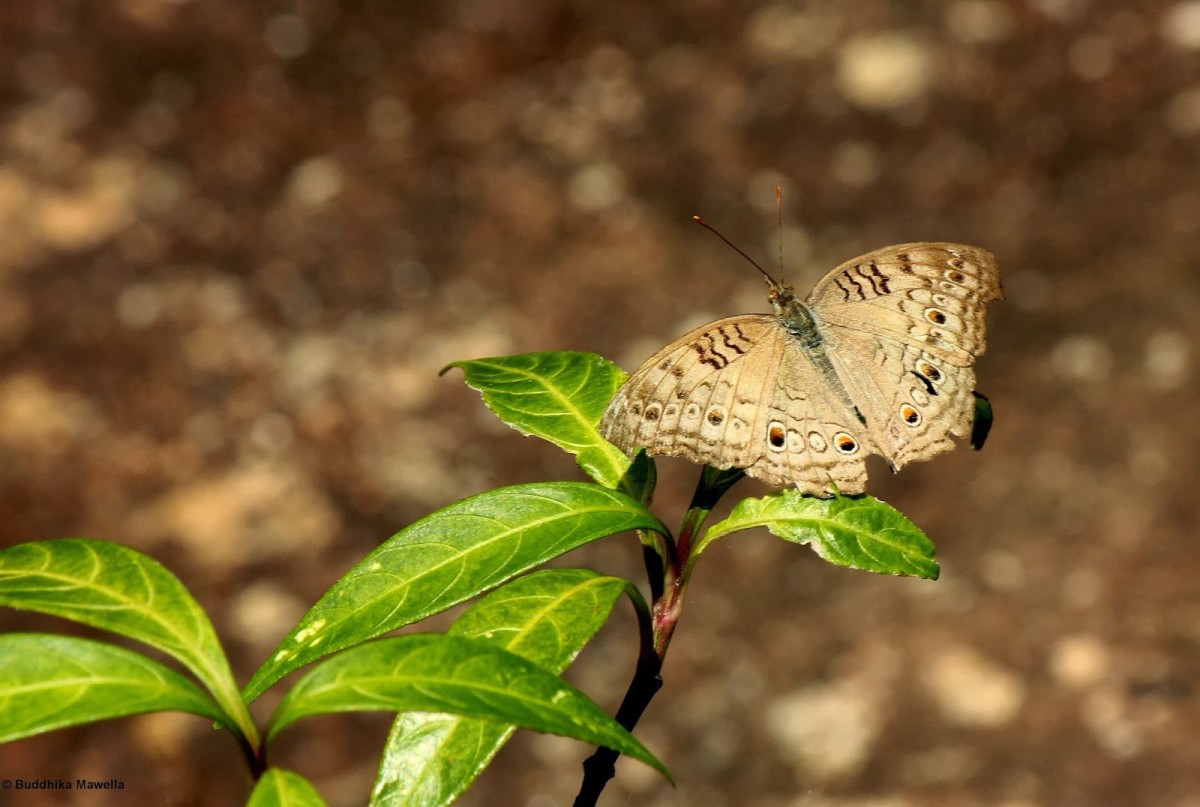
point(983, 421)
point(280, 788)
point(449, 556)
point(557, 396)
point(640, 478)
point(439, 673)
point(546, 617)
point(48, 682)
point(860, 532)
point(115, 588)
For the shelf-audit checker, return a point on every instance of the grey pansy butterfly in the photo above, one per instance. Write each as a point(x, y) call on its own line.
point(877, 360)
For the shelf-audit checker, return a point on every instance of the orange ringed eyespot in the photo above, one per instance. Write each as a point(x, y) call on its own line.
point(777, 436)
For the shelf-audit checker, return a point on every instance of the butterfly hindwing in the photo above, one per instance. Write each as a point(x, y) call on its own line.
point(812, 440)
point(904, 326)
point(913, 401)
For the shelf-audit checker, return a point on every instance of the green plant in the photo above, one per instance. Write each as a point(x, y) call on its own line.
point(459, 695)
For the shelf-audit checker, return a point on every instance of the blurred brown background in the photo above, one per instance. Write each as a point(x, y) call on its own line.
point(238, 240)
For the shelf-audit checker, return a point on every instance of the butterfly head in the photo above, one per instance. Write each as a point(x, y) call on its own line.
point(780, 295)
point(794, 314)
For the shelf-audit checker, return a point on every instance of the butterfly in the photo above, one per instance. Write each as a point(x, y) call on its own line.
point(878, 359)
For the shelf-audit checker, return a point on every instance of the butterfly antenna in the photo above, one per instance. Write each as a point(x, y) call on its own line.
point(774, 283)
point(779, 222)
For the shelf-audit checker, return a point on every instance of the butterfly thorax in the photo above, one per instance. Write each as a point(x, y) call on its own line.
point(805, 328)
point(797, 318)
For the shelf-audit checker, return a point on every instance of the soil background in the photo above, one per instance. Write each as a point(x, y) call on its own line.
point(239, 240)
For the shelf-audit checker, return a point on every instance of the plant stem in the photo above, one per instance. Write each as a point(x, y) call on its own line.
point(667, 589)
point(600, 767)
point(655, 571)
point(255, 756)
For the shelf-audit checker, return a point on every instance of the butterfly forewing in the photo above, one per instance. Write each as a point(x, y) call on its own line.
point(972, 270)
point(698, 397)
point(931, 295)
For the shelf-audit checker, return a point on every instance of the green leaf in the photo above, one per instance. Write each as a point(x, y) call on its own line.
point(431, 758)
point(983, 421)
point(557, 396)
point(546, 617)
point(449, 556)
point(439, 673)
point(860, 532)
point(48, 682)
point(115, 588)
point(280, 788)
point(641, 477)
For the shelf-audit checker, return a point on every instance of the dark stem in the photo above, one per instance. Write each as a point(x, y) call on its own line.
point(667, 585)
point(600, 767)
point(255, 758)
point(655, 570)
